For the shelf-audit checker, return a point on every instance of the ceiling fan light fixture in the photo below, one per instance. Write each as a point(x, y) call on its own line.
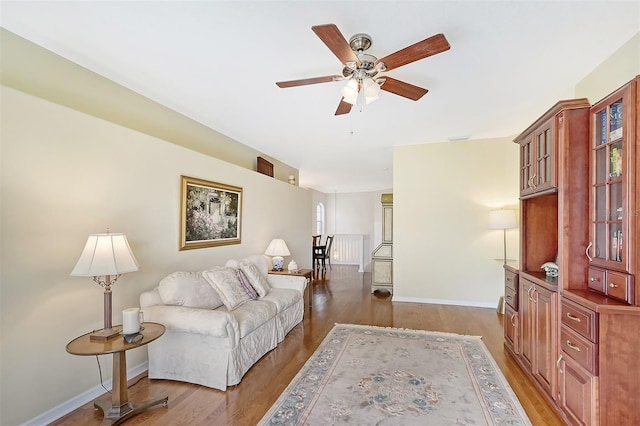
point(371, 88)
point(350, 92)
point(368, 100)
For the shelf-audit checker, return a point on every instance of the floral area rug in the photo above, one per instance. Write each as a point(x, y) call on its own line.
point(364, 375)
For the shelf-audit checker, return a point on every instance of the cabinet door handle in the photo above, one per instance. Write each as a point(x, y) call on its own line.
point(612, 285)
point(533, 181)
point(573, 317)
point(587, 252)
point(558, 364)
point(513, 317)
point(531, 297)
point(572, 346)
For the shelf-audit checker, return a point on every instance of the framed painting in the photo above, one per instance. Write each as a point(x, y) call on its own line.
point(210, 214)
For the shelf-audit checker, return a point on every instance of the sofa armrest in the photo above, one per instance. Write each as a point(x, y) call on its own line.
point(194, 320)
point(287, 281)
point(150, 298)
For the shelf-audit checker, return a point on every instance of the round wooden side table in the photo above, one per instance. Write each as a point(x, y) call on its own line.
point(118, 408)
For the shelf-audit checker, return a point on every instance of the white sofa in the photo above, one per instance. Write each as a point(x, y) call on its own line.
point(215, 346)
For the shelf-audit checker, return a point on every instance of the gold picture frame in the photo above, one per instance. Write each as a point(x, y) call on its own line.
point(210, 213)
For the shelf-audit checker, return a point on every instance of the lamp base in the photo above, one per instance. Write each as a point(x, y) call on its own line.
point(278, 263)
point(104, 334)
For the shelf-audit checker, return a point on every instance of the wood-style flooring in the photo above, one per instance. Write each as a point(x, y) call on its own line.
point(344, 296)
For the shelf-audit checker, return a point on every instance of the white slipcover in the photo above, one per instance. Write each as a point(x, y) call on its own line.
point(216, 347)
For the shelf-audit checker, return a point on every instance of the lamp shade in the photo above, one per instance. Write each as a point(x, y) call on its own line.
point(105, 254)
point(502, 219)
point(277, 247)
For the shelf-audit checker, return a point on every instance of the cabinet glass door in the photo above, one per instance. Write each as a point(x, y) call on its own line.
point(526, 162)
point(607, 230)
point(544, 158)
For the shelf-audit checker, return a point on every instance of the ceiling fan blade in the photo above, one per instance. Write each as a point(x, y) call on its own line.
point(335, 41)
point(403, 89)
point(343, 107)
point(420, 50)
point(306, 81)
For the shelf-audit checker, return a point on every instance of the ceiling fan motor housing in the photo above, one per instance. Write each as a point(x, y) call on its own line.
point(360, 42)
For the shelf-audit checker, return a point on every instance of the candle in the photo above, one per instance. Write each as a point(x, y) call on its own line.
point(131, 321)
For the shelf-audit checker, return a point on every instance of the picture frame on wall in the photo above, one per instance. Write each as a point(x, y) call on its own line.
point(210, 213)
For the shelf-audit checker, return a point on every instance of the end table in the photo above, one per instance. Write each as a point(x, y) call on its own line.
point(118, 408)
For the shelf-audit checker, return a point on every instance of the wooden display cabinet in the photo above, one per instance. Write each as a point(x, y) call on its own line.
point(553, 217)
point(613, 205)
point(599, 384)
point(554, 158)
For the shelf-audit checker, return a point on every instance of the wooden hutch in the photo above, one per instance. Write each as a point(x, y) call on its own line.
point(577, 334)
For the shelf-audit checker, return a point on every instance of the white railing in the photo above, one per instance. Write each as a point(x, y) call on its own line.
point(349, 249)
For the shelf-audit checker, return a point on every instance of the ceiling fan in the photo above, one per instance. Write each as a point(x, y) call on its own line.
point(362, 69)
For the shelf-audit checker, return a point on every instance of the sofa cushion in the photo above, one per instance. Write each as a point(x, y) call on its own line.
point(253, 315)
point(246, 285)
point(282, 298)
point(188, 289)
point(257, 280)
point(225, 281)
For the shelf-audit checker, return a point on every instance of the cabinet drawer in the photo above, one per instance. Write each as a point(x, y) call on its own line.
point(511, 280)
point(511, 297)
point(596, 280)
point(620, 286)
point(579, 319)
point(581, 350)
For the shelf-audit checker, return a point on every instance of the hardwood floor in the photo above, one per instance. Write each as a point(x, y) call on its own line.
point(343, 297)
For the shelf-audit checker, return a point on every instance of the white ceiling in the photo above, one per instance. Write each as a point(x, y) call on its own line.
point(217, 62)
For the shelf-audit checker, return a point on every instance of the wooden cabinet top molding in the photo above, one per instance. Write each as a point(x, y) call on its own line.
point(560, 106)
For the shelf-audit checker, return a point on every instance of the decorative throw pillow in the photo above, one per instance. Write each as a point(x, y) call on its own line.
point(225, 281)
point(246, 285)
point(257, 281)
point(188, 289)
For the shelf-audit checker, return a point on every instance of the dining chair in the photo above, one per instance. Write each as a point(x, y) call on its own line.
point(322, 254)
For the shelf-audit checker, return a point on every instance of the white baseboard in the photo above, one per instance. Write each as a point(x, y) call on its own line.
point(445, 302)
point(78, 401)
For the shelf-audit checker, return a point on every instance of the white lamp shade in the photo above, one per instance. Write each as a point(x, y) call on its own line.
point(277, 247)
point(502, 219)
point(105, 254)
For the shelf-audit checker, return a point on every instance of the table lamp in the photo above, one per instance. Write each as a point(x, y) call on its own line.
point(277, 248)
point(503, 219)
point(105, 257)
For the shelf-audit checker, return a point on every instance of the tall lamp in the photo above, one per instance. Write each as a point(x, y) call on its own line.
point(277, 248)
point(105, 257)
point(503, 219)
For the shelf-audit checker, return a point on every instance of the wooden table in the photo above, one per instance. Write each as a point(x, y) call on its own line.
point(307, 273)
point(118, 408)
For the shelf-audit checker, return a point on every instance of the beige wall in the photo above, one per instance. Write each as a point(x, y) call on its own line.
point(66, 175)
point(37, 71)
point(617, 70)
point(444, 251)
